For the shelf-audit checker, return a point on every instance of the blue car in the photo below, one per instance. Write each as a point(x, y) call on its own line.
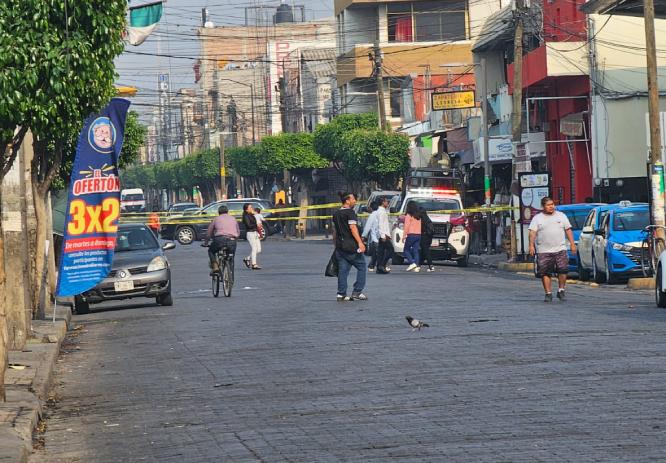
point(577, 214)
point(618, 242)
point(586, 239)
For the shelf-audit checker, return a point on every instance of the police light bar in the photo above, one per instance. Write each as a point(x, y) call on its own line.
point(433, 190)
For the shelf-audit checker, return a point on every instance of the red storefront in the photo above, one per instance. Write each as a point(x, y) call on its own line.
point(556, 99)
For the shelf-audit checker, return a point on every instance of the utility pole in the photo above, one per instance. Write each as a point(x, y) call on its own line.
point(656, 166)
point(223, 170)
point(254, 137)
point(283, 101)
point(486, 153)
point(379, 79)
point(516, 114)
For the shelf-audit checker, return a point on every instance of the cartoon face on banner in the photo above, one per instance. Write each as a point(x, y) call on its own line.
point(102, 135)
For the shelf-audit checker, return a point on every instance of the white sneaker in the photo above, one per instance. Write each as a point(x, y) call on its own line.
point(411, 267)
point(388, 269)
point(417, 269)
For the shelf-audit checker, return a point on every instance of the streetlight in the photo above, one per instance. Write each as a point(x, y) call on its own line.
point(251, 102)
point(486, 148)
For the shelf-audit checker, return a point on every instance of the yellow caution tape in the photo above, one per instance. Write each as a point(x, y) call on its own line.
point(194, 219)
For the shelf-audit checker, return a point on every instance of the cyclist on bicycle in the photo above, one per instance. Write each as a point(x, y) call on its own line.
point(223, 231)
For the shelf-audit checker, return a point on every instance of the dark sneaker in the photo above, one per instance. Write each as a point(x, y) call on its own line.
point(247, 262)
point(382, 271)
point(359, 297)
point(342, 298)
point(548, 298)
point(561, 296)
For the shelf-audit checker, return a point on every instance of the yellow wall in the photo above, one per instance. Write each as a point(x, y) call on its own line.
point(401, 60)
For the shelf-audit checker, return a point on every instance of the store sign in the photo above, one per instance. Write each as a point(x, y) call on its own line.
point(533, 188)
point(501, 149)
point(453, 100)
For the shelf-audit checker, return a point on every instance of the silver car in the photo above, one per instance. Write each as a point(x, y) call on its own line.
point(139, 269)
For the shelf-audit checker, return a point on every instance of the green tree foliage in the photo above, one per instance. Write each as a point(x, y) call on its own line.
point(327, 137)
point(201, 170)
point(244, 160)
point(374, 155)
point(56, 71)
point(291, 151)
point(135, 137)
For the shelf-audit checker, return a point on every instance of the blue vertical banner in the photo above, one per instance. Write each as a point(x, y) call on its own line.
point(93, 203)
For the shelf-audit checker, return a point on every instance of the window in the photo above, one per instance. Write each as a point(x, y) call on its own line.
point(631, 220)
point(433, 21)
point(135, 239)
point(400, 22)
point(590, 218)
point(576, 218)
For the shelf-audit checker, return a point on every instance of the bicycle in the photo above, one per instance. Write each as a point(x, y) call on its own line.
point(651, 248)
point(225, 274)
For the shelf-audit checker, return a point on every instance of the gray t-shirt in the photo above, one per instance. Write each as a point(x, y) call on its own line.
point(550, 231)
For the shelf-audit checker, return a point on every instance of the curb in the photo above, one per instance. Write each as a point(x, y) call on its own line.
point(641, 283)
point(516, 267)
point(28, 389)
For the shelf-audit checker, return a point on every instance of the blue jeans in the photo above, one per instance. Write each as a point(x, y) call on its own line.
point(347, 260)
point(412, 249)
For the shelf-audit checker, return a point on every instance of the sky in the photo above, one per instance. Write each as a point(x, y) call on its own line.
point(176, 36)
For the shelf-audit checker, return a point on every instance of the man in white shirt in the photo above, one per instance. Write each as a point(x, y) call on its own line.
point(548, 231)
point(371, 235)
point(384, 245)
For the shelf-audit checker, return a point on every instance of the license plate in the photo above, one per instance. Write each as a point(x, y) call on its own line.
point(123, 286)
point(436, 243)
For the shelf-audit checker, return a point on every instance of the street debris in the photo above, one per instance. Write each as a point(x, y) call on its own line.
point(17, 366)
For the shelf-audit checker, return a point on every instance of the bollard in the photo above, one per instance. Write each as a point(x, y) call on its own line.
point(326, 230)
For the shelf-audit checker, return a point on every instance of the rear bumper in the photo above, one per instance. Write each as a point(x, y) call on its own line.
point(150, 284)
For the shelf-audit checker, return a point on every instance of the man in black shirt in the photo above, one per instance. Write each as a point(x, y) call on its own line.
point(349, 249)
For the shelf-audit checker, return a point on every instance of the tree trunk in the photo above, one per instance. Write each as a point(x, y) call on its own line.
point(3, 307)
point(39, 247)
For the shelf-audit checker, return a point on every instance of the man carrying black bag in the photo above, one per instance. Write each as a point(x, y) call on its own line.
point(349, 249)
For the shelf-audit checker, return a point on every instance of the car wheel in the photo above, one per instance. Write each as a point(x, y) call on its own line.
point(185, 235)
point(610, 277)
point(660, 296)
point(464, 262)
point(597, 276)
point(81, 307)
point(397, 259)
point(583, 273)
point(165, 299)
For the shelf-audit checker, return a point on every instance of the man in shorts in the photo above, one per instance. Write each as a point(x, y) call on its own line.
point(548, 231)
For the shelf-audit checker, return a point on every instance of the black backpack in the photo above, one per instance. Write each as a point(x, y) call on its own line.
point(427, 227)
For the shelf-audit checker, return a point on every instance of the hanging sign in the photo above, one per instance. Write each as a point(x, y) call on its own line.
point(453, 100)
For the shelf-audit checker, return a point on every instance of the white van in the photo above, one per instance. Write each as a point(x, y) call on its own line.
point(132, 200)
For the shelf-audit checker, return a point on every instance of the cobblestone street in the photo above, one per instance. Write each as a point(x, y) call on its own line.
point(281, 372)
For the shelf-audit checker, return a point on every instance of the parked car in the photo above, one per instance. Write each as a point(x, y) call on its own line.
point(139, 269)
point(586, 238)
point(577, 214)
point(192, 226)
point(617, 244)
point(180, 208)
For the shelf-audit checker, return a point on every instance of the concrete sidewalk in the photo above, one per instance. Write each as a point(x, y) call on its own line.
point(27, 382)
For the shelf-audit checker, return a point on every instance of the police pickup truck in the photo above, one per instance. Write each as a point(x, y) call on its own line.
point(439, 193)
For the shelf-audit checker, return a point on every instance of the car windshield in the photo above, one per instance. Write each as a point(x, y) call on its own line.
point(133, 197)
point(434, 204)
point(631, 220)
point(577, 218)
point(135, 239)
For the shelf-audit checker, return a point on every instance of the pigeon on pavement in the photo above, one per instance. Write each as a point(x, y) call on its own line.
point(416, 323)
